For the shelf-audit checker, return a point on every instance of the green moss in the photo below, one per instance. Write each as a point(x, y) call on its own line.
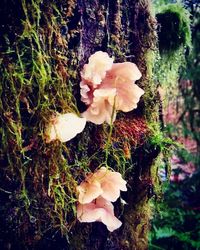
point(34, 87)
point(151, 100)
point(167, 68)
point(174, 27)
point(174, 35)
point(158, 138)
point(137, 224)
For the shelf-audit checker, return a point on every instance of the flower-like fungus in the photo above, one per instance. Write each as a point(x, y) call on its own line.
point(95, 71)
point(107, 87)
point(101, 108)
point(103, 182)
point(64, 127)
point(95, 196)
point(98, 210)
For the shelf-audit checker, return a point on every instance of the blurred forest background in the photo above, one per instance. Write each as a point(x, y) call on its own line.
point(176, 222)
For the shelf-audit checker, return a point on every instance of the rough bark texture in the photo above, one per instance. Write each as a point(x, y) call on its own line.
point(43, 47)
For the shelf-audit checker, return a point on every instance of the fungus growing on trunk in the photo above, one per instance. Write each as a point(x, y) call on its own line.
point(100, 210)
point(64, 127)
point(95, 196)
point(103, 182)
point(107, 87)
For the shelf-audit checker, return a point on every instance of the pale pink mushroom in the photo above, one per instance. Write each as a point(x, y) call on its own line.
point(64, 127)
point(86, 93)
point(101, 81)
point(95, 70)
point(99, 210)
point(122, 77)
point(103, 182)
point(111, 183)
point(101, 109)
point(89, 190)
point(127, 71)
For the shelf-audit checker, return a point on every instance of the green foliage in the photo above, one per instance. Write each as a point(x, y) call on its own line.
point(176, 222)
point(164, 232)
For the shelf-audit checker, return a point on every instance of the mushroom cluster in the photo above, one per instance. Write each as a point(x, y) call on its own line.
point(95, 196)
point(107, 87)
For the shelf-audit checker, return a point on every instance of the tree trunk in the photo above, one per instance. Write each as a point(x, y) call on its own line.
point(43, 47)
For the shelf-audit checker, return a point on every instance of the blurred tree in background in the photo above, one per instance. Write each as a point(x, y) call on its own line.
point(190, 117)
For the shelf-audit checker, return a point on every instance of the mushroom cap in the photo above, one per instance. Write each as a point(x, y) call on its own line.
point(65, 127)
point(101, 109)
point(99, 210)
point(95, 70)
point(103, 182)
point(107, 87)
point(122, 77)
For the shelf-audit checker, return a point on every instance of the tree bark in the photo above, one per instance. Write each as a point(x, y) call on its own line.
point(43, 47)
